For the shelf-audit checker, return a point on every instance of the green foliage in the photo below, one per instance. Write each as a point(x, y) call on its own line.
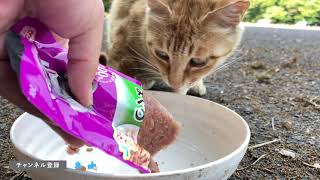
point(106, 5)
point(285, 11)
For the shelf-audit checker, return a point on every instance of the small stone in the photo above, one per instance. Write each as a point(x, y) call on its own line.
point(307, 131)
point(287, 153)
point(258, 65)
point(264, 78)
point(312, 142)
point(290, 63)
point(247, 110)
point(287, 125)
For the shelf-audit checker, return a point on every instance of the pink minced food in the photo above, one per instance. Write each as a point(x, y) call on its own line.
point(158, 130)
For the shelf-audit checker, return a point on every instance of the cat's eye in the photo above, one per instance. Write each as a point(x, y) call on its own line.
point(162, 55)
point(197, 62)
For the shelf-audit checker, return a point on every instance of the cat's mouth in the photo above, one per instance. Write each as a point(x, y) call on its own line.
point(176, 88)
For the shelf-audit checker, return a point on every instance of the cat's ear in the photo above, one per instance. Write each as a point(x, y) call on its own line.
point(159, 7)
point(230, 14)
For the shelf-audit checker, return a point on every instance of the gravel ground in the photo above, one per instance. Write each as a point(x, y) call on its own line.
point(275, 85)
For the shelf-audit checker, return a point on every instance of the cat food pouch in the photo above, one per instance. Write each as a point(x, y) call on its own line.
point(111, 124)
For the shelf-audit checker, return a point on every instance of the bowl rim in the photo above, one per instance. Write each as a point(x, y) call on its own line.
point(238, 150)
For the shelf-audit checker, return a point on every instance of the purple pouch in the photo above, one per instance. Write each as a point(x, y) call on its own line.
point(111, 124)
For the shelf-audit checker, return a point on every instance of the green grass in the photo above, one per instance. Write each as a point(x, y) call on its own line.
point(106, 5)
point(285, 11)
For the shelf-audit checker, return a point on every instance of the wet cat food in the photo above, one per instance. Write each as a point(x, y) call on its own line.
point(159, 129)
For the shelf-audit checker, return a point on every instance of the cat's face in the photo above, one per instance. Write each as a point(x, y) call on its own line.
point(187, 39)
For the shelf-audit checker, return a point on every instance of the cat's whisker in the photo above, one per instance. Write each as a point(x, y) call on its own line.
point(136, 52)
point(150, 79)
point(144, 59)
point(156, 18)
point(136, 59)
point(148, 76)
point(135, 36)
point(139, 30)
point(157, 34)
point(154, 79)
point(151, 72)
point(203, 35)
point(146, 62)
point(157, 31)
point(145, 69)
point(224, 66)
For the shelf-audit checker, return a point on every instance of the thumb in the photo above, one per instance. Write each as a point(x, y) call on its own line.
point(82, 24)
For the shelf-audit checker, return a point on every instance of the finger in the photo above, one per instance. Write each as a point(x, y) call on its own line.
point(82, 23)
point(83, 62)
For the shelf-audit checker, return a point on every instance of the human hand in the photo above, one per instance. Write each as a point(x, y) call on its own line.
point(79, 22)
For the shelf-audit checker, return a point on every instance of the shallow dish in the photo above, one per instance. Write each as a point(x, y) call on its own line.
point(212, 142)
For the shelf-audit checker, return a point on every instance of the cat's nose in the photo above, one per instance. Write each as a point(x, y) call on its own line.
point(175, 78)
point(175, 85)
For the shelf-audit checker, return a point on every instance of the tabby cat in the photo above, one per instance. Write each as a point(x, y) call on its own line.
point(176, 42)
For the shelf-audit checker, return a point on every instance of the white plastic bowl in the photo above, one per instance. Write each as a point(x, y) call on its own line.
point(212, 142)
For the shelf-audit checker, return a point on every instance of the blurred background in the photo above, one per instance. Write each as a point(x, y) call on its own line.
point(303, 12)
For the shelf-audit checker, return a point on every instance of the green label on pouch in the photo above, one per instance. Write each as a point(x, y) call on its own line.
point(130, 104)
point(128, 120)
